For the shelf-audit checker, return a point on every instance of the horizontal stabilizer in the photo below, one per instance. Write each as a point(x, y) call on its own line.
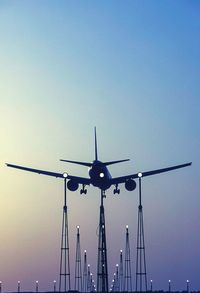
point(115, 162)
point(78, 163)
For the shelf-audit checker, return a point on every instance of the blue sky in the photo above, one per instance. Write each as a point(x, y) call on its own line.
point(131, 68)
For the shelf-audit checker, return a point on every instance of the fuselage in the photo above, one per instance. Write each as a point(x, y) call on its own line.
point(99, 175)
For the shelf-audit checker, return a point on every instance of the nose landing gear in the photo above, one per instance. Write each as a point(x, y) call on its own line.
point(83, 190)
point(116, 190)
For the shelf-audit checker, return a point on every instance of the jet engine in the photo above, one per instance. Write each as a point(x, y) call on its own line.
point(130, 184)
point(72, 185)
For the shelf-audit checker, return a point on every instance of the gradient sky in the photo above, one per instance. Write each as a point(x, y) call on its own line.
point(132, 69)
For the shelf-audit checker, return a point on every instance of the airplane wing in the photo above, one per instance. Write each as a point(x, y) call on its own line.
point(123, 179)
point(80, 180)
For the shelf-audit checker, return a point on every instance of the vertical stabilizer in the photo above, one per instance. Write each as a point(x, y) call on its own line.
point(95, 136)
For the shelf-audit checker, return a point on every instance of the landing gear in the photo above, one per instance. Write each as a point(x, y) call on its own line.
point(83, 190)
point(116, 190)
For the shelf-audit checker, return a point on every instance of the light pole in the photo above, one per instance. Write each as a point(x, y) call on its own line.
point(88, 279)
point(151, 288)
point(141, 273)
point(0, 286)
point(102, 266)
point(188, 290)
point(117, 278)
point(54, 285)
point(121, 272)
point(36, 286)
point(18, 286)
point(169, 285)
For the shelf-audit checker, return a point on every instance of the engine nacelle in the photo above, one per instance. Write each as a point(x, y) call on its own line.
point(130, 184)
point(72, 185)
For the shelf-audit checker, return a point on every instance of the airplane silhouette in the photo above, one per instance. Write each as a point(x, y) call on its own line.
point(99, 175)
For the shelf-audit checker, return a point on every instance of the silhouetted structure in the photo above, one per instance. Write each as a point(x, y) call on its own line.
point(113, 283)
point(187, 289)
point(127, 271)
point(64, 280)
point(36, 286)
point(141, 275)
point(92, 285)
point(121, 272)
point(169, 283)
point(102, 269)
point(151, 285)
point(85, 272)
point(88, 280)
point(78, 269)
point(100, 177)
point(116, 289)
point(54, 286)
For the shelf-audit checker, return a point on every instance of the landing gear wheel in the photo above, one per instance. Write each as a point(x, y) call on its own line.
point(116, 190)
point(83, 191)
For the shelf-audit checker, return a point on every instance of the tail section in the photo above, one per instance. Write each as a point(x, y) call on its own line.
point(96, 153)
point(95, 137)
point(96, 157)
point(86, 163)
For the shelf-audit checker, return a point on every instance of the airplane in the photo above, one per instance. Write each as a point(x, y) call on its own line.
point(99, 175)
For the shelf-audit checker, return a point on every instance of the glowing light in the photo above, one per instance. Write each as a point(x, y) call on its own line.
point(65, 175)
point(139, 174)
point(85, 251)
point(127, 227)
point(101, 174)
point(77, 227)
